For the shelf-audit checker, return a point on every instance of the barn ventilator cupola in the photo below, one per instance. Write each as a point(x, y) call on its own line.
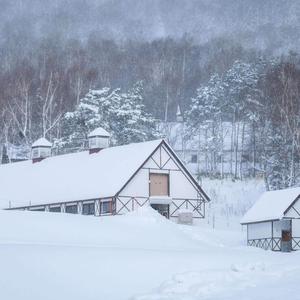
point(98, 140)
point(40, 149)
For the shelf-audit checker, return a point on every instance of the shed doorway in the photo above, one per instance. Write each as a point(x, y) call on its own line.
point(286, 236)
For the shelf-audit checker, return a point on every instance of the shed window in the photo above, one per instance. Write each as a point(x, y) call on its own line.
point(106, 207)
point(71, 209)
point(88, 208)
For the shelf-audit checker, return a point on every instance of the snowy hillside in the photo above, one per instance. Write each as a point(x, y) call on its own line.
point(139, 256)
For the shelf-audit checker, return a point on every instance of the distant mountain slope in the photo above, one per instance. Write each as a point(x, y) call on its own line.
point(265, 24)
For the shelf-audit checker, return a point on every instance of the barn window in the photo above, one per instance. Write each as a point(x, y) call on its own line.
point(88, 208)
point(38, 209)
point(55, 209)
point(106, 207)
point(194, 158)
point(71, 209)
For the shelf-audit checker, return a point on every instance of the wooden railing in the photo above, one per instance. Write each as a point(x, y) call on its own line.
point(273, 243)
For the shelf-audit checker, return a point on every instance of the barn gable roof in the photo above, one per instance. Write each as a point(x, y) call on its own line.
point(272, 205)
point(72, 177)
point(76, 176)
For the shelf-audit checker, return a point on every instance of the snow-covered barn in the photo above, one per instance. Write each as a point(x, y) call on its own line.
point(103, 180)
point(273, 222)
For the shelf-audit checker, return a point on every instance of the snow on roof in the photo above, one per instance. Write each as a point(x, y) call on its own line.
point(42, 142)
point(99, 132)
point(70, 177)
point(271, 205)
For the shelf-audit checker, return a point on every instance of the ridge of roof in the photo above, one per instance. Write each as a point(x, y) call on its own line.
point(61, 178)
point(186, 171)
point(272, 205)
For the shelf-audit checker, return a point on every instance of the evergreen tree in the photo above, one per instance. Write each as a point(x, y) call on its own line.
point(121, 114)
point(240, 90)
point(276, 157)
point(205, 114)
point(207, 104)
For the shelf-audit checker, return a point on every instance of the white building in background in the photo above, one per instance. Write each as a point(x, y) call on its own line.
point(103, 180)
point(274, 221)
point(227, 150)
point(13, 153)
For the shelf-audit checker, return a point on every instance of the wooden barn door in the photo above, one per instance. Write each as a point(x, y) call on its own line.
point(159, 184)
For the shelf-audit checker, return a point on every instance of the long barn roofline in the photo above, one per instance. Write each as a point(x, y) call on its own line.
point(257, 222)
point(161, 143)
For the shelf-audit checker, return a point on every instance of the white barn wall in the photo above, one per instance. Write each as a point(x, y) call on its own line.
point(138, 186)
point(259, 230)
point(294, 211)
point(180, 186)
point(296, 228)
point(297, 205)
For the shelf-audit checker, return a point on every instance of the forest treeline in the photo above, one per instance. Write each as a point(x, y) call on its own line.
point(220, 81)
point(261, 102)
point(42, 79)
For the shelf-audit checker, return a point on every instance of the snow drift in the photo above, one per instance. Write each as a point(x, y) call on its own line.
point(140, 256)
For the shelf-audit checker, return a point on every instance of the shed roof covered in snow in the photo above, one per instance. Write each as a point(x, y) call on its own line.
point(271, 205)
point(72, 177)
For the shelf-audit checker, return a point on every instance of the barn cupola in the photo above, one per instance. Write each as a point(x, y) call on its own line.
point(40, 149)
point(98, 140)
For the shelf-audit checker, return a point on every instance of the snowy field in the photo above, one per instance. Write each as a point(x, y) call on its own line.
point(230, 201)
point(140, 256)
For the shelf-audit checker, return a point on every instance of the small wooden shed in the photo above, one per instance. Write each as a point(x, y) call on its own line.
point(273, 222)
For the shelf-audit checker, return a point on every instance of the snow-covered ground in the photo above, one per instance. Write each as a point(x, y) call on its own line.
point(138, 256)
point(230, 200)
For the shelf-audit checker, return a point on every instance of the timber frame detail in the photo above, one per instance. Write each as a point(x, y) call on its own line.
point(273, 243)
point(129, 203)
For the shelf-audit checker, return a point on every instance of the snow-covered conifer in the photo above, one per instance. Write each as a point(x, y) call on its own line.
point(120, 113)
